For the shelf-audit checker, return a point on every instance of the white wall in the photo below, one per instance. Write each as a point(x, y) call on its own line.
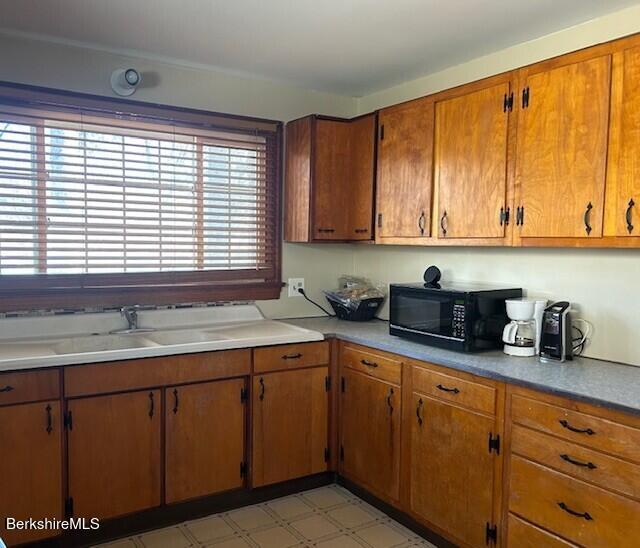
point(604, 284)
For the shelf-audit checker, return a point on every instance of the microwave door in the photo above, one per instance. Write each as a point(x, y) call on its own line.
point(420, 313)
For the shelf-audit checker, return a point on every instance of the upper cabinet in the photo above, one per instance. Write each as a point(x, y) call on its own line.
point(404, 182)
point(470, 168)
point(563, 124)
point(329, 179)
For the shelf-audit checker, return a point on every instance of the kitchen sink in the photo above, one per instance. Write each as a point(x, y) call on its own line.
point(183, 336)
point(101, 343)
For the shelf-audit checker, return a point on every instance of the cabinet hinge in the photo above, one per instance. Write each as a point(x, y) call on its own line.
point(525, 97)
point(382, 132)
point(494, 443)
point(379, 220)
point(68, 507)
point(243, 469)
point(342, 383)
point(342, 453)
point(244, 395)
point(327, 454)
point(491, 534)
point(68, 420)
point(505, 214)
point(507, 105)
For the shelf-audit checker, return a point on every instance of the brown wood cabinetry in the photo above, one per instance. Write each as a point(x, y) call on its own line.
point(115, 453)
point(329, 179)
point(404, 182)
point(205, 433)
point(290, 424)
point(30, 467)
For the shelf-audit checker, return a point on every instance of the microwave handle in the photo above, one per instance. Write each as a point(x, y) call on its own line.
point(509, 333)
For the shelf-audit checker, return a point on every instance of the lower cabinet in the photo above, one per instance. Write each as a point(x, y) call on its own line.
point(114, 451)
point(204, 448)
point(30, 467)
point(290, 424)
point(370, 432)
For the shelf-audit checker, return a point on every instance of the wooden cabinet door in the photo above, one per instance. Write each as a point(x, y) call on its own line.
point(562, 150)
point(405, 170)
point(471, 163)
point(452, 470)
point(290, 424)
point(370, 433)
point(358, 210)
point(30, 467)
point(115, 453)
point(623, 181)
point(204, 439)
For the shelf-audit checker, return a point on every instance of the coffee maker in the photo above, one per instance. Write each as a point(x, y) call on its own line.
point(521, 336)
point(556, 344)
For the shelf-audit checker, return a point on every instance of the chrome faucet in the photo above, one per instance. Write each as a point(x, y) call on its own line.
point(130, 313)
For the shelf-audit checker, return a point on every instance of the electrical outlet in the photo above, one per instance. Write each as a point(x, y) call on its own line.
point(295, 284)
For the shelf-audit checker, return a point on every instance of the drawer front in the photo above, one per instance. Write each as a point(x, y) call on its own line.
point(290, 356)
point(594, 432)
point(577, 461)
point(104, 378)
point(454, 389)
point(27, 386)
point(522, 534)
point(372, 363)
point(579, 512)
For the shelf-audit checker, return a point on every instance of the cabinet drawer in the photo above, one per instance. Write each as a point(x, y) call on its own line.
point(290, 356)
point(522, 534)
point(579, 512)
point(372, 363)
point(26, 386)
point(577, 461)
point(454, 389)
point(588, 430)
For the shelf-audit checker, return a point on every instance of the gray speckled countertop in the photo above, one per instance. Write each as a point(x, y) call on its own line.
point(603, 383)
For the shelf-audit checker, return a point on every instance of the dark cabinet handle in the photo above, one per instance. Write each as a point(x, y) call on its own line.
point(418, 409)
point(389, 404)
point(152, 405)
point(568, 459)
point(442, 220)
point(628, 215)
point(6, 389)
point(326, 230)
point(292, 356)
point(368, 363)
point(587, 218)
point(422, 222)
point(504, 216)
point(175, 401)
point(584, 515)
point(445, 389)
point(261, 388)
point(565, 424)
point(49, 419)
point(519, 216)
point(361, 230)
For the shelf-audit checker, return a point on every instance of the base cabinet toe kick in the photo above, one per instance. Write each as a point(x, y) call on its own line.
point(475, 461)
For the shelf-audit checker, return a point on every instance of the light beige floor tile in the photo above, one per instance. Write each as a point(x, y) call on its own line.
point(351, 516)
point(314, 527)
point(343, 541)
point(236, 542)
point(209, 528)
point(274, 537)
point(381, 535)
point(289, 507)
point(325, 497)
point(172, 537)
point(250, 518)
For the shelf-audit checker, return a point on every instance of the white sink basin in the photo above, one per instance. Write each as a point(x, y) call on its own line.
point(183, 336)
point(100, 343)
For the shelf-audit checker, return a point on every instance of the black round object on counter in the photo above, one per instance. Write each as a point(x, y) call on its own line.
point(432, 275)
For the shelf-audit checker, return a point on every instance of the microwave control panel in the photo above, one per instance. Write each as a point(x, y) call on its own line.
point(458, 324)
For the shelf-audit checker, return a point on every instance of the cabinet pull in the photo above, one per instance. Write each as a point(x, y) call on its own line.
point(442, 220)
point(389, 401)
point(151, 405)
point(49, 419)
point(361, 230)
point(175, 401)
point(292, 356)
point(422, 223)
point(565, 424)
point(568, 459)
point(7, 388)
point(368, 363)
point(261, 389)
point(327, 230)
point(587, 218)
point(418, 409)
point(584, 515)
point(628, 215)
point(445, 389)
point(504, 216)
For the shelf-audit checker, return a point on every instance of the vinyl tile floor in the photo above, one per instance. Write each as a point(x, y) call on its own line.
point(327, 517)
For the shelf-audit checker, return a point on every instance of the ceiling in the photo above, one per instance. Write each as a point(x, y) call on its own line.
point(351, 47)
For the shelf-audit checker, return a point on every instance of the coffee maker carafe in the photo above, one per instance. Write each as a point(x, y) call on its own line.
point(521, 336)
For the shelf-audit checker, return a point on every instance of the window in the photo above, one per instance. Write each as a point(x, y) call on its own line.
point(123, 208)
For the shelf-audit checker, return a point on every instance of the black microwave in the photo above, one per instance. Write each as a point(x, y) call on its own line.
point(465, 318)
